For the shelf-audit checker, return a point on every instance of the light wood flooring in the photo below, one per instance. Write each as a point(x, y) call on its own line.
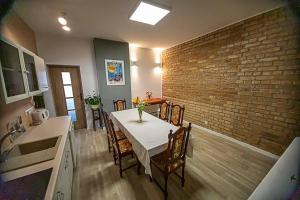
point(219, 169)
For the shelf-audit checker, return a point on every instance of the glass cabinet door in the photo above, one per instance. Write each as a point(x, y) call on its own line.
point(11, 69)
point(31, 72)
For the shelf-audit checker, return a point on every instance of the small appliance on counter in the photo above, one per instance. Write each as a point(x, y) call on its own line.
point(39, 116)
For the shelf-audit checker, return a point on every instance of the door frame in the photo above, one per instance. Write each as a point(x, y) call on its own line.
point(80, 88)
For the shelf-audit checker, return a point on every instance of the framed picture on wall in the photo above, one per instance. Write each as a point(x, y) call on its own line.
point(114, 70)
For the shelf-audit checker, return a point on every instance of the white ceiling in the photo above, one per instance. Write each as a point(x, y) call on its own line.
point(108, 19)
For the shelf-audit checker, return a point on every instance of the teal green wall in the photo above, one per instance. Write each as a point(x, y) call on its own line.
point(108, 49)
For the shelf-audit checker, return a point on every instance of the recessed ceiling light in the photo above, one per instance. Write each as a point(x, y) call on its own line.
point(62, 21)
point(66, 28)
point(149, 13)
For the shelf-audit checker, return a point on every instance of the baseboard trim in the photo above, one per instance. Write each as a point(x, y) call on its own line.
point(253, 148)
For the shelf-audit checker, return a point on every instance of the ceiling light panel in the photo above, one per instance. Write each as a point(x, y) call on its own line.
point(148, 13)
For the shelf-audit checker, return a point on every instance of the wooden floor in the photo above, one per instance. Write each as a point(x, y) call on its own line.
point(219, 169)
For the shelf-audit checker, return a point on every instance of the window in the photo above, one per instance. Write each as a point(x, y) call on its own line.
point(66, 78)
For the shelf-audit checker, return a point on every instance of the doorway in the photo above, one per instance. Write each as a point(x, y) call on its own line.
point(67, 93)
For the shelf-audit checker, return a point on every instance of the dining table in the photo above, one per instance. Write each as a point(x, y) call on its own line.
point(148, 137)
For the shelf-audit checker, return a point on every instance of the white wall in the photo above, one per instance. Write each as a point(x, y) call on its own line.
point(69, 51)
point(144, 72)
point(77, 51)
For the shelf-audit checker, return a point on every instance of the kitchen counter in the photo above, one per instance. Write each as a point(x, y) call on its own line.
point(58, 126)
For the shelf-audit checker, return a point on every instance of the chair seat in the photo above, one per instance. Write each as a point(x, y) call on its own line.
point(120, 135)
point(160, 161)
point(124, 145)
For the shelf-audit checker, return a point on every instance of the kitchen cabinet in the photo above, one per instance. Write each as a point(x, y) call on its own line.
point(63, 187)
point(30, 70)
point(72, 142)
point(41, 73)
point(12, 75)
point(22, 73)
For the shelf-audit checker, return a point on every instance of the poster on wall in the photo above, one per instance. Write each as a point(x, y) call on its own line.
point(114, 72)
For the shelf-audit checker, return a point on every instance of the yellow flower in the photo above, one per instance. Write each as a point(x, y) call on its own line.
point(136, 100)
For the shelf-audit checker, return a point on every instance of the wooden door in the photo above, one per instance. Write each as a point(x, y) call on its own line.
point(67, 93)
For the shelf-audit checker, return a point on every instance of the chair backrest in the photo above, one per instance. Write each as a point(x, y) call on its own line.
point(108, 124)
point(177, 144)
point(176, 117)
point(105, 119)
point(119, 104)
point(113, 135)
point(164, 111)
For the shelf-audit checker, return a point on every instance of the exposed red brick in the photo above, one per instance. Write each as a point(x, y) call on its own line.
point(242, 80)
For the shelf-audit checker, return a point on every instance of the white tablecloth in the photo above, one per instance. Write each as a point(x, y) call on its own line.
point(148, 138)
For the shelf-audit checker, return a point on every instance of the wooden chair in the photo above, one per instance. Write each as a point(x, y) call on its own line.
point(164, 111)
point(119, 105)
point(176, 117)
point(121, 149)
point(173, 158)
point(119, 134)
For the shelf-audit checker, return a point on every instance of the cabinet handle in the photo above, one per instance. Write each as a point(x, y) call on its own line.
point(58, 195)
point(67, 160)
point(293, 178)
point(62, 196)
point(66, 165)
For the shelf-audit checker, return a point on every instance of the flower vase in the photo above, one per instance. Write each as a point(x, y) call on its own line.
point(140, 116)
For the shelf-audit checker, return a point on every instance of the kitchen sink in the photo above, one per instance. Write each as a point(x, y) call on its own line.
point(31, 153)
point(31, 147)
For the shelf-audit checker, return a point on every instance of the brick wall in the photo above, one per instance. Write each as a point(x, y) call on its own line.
point(242, 80)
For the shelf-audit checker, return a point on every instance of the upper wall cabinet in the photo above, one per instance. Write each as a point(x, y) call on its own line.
point(30, 70)
point(12, 76)
point(41, 73)
point(22, 73)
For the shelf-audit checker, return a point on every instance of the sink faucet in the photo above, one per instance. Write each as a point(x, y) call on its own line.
point(3, 155)
point(17, 128)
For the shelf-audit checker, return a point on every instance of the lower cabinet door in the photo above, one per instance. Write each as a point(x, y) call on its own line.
point(67, 166)
point(72, 142)
point(70, 173)
point(60, 189)
point(63, 188)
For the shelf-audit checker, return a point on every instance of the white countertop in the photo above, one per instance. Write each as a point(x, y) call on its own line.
point(57, 126)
